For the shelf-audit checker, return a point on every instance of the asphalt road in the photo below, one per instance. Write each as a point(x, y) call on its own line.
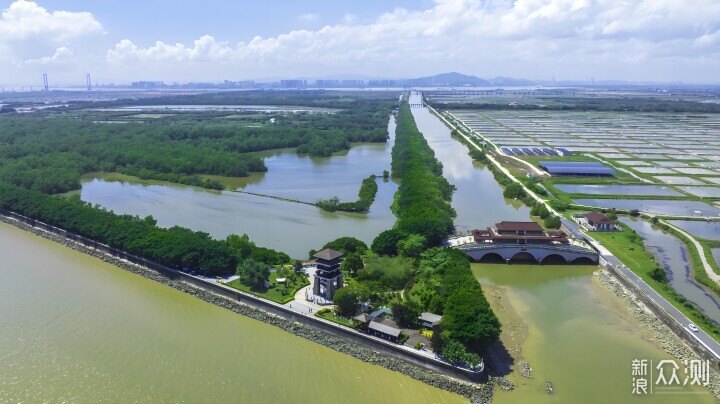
point(709, 342)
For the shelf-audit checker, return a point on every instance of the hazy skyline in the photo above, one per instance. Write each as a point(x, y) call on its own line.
point(649, 40)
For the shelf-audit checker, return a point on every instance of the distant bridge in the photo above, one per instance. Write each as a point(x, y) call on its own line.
point(539, 253)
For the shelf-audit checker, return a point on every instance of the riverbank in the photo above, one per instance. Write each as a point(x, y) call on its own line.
point(478, 393)
point(659, 333)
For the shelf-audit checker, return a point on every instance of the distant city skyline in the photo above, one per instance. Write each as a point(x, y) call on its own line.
point(212, 41)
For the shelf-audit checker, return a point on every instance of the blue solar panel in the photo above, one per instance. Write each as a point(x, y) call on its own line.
point(538, 151)
point(550, 152)
point(507, 151)
point(564, 151)
point(517, 151)
point(527, 151)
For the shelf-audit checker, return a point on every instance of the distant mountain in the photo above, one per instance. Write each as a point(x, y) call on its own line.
point(448, 80)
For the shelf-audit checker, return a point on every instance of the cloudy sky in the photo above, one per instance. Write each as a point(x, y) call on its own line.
point(214, 40)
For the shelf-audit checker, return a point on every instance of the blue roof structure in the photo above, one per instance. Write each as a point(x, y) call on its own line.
point(576, 168)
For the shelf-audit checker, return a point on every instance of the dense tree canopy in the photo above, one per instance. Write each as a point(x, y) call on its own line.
point(422, 202)
point(49, 152)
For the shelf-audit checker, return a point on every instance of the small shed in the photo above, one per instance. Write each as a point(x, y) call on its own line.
point(429, 320)
point(364, 320)
point(384, 331)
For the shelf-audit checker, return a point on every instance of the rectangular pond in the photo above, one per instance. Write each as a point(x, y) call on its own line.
point(699, 228)
point(617, 189)
point(656, 206)
point(703, 192)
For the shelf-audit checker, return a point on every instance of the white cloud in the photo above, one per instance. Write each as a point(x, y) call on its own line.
point(62, 54)
point(32, 35)
point(26, 19)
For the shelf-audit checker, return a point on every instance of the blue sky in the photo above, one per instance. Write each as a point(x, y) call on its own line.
point(183, 21)
point(214, 40)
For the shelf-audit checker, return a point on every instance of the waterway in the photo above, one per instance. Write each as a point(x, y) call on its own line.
point(672, 255)
point(579, 337)
point(75, 329)
point(286, 226)
point(478, 201)
point(578, 334)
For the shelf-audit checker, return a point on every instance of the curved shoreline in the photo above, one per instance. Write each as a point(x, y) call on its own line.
point(477, 393)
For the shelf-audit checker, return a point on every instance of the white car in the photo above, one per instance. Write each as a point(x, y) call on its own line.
point(693, 327)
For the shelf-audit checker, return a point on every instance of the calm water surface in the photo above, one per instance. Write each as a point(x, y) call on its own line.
point(659, 206)
point(618, 189)
point(672, 255)
point(290, 227)
point(74, 329)
point(579, 337)
point(702, 229)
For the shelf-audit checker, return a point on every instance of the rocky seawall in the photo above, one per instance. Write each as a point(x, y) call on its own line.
point(477, 393)
point(660, 332)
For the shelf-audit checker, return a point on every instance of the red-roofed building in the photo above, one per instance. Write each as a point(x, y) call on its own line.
point(518, 233)
point(599, 221)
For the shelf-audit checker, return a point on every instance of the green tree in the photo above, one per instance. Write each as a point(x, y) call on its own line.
point(658, 274)
point(514, 191)
point(352, 264)
point(552, 222)
point(241, 246)
point(412, 246)
point(348, 298)
point(406, 312)
point(297, 266)
point(469, 319)
point(386, 242)
point(454, 352)
point(347, 245)
point(253, 273)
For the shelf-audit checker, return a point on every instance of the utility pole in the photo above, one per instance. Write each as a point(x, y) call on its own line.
point(45, 82)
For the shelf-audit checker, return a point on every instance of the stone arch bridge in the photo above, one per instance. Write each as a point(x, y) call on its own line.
point(541, 253)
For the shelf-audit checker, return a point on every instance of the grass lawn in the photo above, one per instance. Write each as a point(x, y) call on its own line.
point(628, 247)
point(328, 314)
point(277, 293)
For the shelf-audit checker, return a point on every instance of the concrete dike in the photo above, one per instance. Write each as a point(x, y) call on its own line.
point(417, 365)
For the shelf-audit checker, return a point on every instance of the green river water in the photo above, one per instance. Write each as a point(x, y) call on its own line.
point(74, 329)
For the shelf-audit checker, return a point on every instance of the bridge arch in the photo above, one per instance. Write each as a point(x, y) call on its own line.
point(553, 259)
point(491, 258)
point(522, 256)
